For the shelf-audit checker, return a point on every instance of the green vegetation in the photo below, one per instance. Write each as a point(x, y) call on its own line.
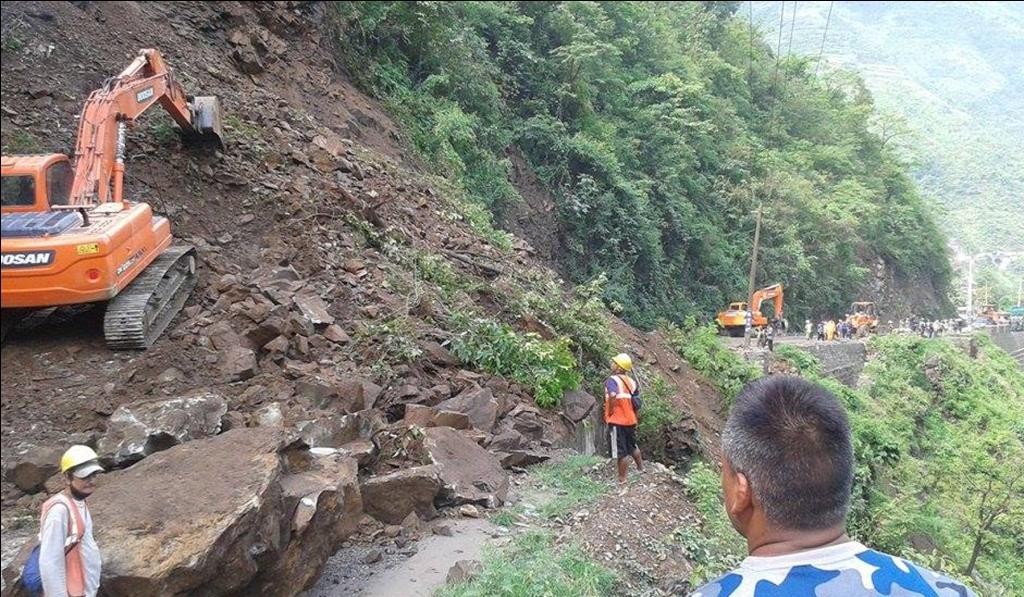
point(12, 43)
point(580, 316)
point(547, 367)
point(656, 419)
point(534, 566)
point(164, 131)
point(393, 340)
point(503, 519)
point(937, 437)
point(21, 142)
point(657, 142)
point(713, 546)
point(699, 345)
point(954, 125)
point(570, 482)
point(241, 129)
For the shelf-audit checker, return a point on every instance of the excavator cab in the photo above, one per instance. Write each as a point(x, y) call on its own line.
point(35, 182)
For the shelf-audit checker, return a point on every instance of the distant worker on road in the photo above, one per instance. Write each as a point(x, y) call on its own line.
point(787, 472)
point(809, 329)
point(621, 417)
point(748, 328)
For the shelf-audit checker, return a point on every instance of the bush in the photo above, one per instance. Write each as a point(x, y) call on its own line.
point(582, 318)
point(801, 361)
point(547, 367)
point(656, 418)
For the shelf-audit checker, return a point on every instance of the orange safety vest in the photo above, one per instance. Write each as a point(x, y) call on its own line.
point(618, 407)
point(74, 570)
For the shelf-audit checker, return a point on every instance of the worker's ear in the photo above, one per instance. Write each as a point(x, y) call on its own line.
point(738, 497)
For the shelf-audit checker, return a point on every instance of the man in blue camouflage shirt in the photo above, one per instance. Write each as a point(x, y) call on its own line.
point(787, 471)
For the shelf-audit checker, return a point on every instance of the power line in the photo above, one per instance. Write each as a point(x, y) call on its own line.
point(828, 19)
point(778, 49)
point(792, 26)
point(750, 57)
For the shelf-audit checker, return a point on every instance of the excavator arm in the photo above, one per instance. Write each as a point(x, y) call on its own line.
point(773, 292)
point(99, 152)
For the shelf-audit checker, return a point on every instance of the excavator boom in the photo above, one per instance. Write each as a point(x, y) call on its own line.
point(99, 150)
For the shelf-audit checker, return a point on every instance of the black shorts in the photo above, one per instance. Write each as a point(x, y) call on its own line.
point(623, 440)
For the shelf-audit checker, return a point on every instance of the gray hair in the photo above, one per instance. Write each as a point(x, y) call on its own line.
point(791, 438)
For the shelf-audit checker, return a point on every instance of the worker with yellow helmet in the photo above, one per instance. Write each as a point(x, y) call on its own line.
point(621, 402)
point(68, 560)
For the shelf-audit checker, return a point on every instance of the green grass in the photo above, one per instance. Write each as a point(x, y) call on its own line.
point(12, 43)
point(802, 361)
point(164, 131)
point(572, 486)
point(240, 129)
point(505, 518)
point(533, 566)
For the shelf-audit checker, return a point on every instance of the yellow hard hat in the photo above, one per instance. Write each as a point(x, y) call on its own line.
point(622, 360)
point(75, 456)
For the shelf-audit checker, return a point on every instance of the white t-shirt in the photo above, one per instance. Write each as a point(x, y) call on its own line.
point(51, 551)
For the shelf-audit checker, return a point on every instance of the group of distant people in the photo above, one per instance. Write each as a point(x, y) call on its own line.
point(830, 329)
point(927, 328)
point(766, 334)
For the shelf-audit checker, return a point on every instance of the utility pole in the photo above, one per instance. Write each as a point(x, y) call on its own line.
point(970, 288)
point(753, 258)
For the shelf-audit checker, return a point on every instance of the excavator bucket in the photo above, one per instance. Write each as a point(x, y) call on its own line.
point(207, 121)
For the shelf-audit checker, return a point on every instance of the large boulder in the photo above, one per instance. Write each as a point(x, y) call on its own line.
point(425, 416)
point(469, 473)
point(31, 465)
point(390, 498)
point(507, 440)
point(137, 430)
point(521, 458)
point(327, 507)
point(528, 422)
point(329, 432)
point(238, 364)
point(478, 403)
point(577, 404)
point(232, 514)
point(346, 395)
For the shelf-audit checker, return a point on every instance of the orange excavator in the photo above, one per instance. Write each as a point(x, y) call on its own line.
point(733, 320)
point(69, 236)
point(863, 317)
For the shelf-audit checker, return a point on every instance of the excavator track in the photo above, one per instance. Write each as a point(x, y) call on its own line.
point(137, 316)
